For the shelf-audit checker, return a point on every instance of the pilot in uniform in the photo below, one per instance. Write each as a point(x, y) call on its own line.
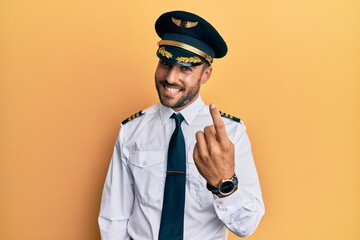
point(135, 190)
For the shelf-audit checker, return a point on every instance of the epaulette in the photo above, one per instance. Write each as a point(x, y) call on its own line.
point(132, 117)
point(225, 115)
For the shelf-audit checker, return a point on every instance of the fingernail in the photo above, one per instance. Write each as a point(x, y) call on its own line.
point(212, 105)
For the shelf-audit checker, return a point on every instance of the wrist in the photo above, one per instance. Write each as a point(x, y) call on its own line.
point(225, 188)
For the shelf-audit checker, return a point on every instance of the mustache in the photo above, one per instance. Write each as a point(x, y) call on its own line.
point(166, 83)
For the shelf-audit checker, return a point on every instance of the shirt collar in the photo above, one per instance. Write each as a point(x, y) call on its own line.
point(188, 113)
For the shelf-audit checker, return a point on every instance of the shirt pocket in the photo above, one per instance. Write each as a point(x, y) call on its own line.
point(197, 184)
point(148, 170)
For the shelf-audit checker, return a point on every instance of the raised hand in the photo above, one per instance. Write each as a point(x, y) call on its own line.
point(214, 152)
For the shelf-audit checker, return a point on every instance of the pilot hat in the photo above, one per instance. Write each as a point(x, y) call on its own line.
point(187, 39)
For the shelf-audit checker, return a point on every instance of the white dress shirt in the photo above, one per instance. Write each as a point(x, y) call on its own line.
point(134, 188)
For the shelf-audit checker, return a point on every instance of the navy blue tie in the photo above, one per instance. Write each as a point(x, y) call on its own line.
point(172, 217)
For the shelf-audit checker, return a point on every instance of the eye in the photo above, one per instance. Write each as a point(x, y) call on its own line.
point(165, 64)
point(185, 68)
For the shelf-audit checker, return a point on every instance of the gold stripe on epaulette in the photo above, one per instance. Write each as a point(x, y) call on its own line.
point(132, 117)
point(229, 116)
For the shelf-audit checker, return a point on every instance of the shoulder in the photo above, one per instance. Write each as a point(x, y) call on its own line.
point(234, 126)
point(139, 114)
point(132, 117)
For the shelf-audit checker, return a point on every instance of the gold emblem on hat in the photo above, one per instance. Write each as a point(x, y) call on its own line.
point(165, 53)
point(184, 23)
point(188, 59)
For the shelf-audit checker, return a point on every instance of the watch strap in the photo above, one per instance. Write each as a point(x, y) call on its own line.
point(217, 190)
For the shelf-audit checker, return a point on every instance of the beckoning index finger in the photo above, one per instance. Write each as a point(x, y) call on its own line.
point(218, 122)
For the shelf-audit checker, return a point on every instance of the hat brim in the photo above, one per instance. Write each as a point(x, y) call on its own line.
point(179, 56)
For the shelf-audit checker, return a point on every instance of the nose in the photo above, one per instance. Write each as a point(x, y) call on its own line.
point(172, 75)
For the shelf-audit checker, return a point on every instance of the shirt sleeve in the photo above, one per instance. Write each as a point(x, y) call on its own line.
point(117, 198)
point(242, 211)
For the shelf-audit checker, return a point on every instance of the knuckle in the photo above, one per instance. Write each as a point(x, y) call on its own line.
point(229, 143)
point(199, 133)
point(204, 156)
point(195, 152)
point(207, 129)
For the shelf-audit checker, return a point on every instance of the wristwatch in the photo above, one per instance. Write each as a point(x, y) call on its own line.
point(226, 187)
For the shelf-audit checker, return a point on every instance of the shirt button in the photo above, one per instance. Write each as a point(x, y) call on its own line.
point(243, 230)
point(144, 163)
point(221, 208)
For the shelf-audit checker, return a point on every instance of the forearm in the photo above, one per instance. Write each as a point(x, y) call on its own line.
point(242, 211)
point(117, 197)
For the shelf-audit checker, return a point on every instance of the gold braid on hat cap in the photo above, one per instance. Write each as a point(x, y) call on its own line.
point(186, 47)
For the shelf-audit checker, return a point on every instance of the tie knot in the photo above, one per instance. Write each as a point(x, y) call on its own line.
point(178, 119)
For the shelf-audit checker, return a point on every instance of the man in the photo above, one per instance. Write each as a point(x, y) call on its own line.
point(181, 170)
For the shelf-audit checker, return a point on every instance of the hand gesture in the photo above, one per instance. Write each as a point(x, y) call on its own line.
point(214, 152)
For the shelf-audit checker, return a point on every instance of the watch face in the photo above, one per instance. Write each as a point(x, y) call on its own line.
point(226, 187)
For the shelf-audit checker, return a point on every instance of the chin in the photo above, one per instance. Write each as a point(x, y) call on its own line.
point(168, 104)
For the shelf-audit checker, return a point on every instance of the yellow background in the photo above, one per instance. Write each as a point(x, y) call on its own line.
point(71, 71)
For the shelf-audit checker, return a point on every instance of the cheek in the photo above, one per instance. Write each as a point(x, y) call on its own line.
point(190, 79)
point(192, 82)
point(160, 74)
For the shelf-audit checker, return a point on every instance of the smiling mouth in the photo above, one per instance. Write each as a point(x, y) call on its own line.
point(172, 89)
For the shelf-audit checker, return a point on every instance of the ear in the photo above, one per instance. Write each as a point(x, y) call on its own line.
point(206, 74)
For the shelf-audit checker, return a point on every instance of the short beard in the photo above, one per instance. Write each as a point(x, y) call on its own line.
point(190, 95)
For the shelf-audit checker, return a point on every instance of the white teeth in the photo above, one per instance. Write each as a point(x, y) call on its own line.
point(173, 90)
